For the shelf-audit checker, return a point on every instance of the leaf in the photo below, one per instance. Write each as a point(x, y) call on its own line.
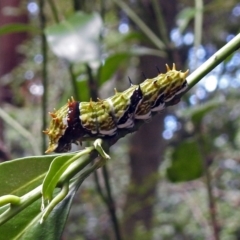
point(186, 162)
point(24, 174)
point(197, 113)
point(16, 28)
point(26, 224)
point(83, 90)
point(184, 17)
point(111, 65)
point(57, 168)
point(76, 39)
point(18, 177)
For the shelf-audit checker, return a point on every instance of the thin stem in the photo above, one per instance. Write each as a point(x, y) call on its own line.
point(70, 67)
point(44, 72)
point(213, 61)
point(208, 177)
point(74, 81)
point(211, 201)
point(198, 21)
point(111, 204)
point(92, 84)
point(54, 10)
point(21, 130)
point(143, 27)
point(160, 21)
point(26, 200)
point(36, 193)
point(77, 5)
point(98, 187)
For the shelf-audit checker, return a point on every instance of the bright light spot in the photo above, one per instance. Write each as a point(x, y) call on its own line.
point(230, 163)
point(236, 11)
point(193, 100)
point(210, 83)
point(167, 134)
point(176, 37)
point(38, 58)
point(223, 82)
point(32, 8)
point(220, 141)
point(36, 89)
point(188, 38)
point(123, 28)
point(200, 52)
point(201, 93)
point(29, 75)
point(170, 123)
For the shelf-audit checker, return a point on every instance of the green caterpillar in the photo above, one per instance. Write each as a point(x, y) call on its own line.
point(104, 118)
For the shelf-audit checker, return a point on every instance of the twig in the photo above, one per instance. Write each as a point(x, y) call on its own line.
point(111, 204)
point(198, 21)
point(54, 10)
point(44, 72)
point(213, 61)
point(144, 28)
point(208, 177)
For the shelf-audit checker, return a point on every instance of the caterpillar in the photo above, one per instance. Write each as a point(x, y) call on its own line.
point(105, 118)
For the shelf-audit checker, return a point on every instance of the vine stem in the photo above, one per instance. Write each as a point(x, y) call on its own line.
point(208, 177)
point(213, 61)
point(111, 204)
point(44, 72)
point(198, 22)
point(144, 28)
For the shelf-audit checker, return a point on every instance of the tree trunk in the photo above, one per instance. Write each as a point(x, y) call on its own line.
point(147, 146)
point(9, 57)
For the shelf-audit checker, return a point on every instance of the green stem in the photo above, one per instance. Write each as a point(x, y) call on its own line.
point(143, 27)
point(70, 68)
point(60, 196)
point(208, 177)
point(92, 84)
point(74, 81)
point(44, 73)
point(111, 204)
point(36, 193)
point(160, 21)
point(54, 10)
point(213, 61)
point(26, 200)
point(198, 21)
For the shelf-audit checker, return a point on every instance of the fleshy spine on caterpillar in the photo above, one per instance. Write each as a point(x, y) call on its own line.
point(104, 118)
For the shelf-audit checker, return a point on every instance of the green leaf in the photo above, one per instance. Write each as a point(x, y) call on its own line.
point(111, 65)
point(186, 162)
point(184, 17)
point(24, 174)
point(18, 177)
point(76, 39)
point(83, 89)
point(197, 113)
point(26, 226)
point(57, 168)
point(16, 28)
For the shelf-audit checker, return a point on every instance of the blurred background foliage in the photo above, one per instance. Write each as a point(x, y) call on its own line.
point(178, 176)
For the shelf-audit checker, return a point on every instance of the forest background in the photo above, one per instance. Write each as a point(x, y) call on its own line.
point(178, 176)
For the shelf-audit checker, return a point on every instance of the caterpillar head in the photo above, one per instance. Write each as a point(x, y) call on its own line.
point(61, 131)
